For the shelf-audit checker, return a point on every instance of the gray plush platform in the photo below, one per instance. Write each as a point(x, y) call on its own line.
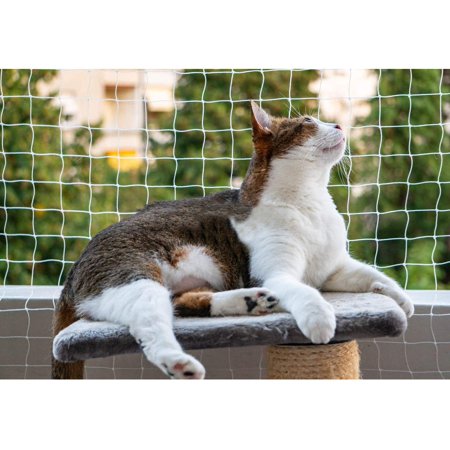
point(358, 316)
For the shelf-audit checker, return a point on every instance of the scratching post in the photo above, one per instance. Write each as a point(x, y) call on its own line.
point(338, 361)
point(291, 354)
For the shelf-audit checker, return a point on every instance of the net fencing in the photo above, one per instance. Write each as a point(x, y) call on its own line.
point(83, 149)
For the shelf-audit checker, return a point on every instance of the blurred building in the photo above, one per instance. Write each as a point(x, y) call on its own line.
point(343, 94)
point(116, 101)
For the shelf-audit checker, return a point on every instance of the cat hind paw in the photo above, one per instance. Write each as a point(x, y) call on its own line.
point(183, 366)
point(397, 294)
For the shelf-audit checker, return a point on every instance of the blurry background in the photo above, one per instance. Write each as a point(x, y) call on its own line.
point(82, 149)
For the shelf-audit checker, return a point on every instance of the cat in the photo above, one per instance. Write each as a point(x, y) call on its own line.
point(272, 245)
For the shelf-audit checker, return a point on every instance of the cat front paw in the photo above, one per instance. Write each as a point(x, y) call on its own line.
point(317, 321)
point(260, 301)
point(255, 301)
point(397, 294)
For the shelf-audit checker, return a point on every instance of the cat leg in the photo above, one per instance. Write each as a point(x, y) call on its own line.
point(145, 307)
point(205, 302)
point(355, 276)
point(314, 315)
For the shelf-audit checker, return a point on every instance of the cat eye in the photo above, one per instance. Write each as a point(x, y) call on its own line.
point(308, 120)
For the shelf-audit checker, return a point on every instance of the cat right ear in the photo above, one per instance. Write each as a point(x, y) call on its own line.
point(261, 121)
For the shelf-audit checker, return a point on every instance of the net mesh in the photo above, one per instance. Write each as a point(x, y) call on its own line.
point(83, 149)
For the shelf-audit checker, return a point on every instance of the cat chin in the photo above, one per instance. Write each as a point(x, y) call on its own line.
point(333, 153)
point(340, 146)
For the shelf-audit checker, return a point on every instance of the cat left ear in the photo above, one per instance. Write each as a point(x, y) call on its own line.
point(261, 121)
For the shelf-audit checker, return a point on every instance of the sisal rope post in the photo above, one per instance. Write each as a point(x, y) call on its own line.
point(338, 361)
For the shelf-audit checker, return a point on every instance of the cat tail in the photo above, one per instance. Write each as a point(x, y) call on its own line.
point(64, 316)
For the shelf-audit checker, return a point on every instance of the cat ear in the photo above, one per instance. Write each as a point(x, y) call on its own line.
point(261, 121)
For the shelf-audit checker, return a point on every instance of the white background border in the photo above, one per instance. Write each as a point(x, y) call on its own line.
point(224, 414)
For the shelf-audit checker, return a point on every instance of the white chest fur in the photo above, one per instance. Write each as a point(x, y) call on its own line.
point(307, 242)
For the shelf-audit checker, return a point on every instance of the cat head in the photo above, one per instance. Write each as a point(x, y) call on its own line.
point(289, 153)
point(301, 138)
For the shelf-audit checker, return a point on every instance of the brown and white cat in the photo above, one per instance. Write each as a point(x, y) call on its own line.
point(273, 244)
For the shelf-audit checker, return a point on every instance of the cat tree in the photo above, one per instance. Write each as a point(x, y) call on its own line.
point(290, 354)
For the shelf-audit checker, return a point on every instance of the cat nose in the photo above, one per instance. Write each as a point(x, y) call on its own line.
point(338, 127)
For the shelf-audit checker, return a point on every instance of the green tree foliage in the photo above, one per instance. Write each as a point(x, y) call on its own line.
point(400, 177)
point(53, 196)
point(209, 132)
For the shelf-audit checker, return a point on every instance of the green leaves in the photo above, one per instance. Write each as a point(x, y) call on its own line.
point(405, 150)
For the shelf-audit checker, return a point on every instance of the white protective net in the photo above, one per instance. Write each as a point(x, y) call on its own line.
point(83, 149)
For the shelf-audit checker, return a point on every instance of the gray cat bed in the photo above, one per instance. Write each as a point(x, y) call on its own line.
point(358, 316)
